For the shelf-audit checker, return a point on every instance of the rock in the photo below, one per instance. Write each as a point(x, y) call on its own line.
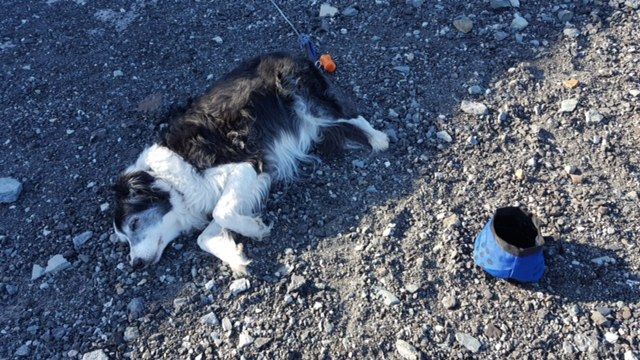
point(210, 285)
point(238, 286)
point(570, 83)
point(11, 289)
point(406, 350)
point(179, 303)
point(261, 343)
point(218, 40)
point(475, 90)
point(444, 136)
point(515, 3)
point(449, 302)
point(209, 319)
point(81, 239)
point(520, 174)
point(567, 348)
point(327, 10)
point(611, 338)
point(36, 272)
point(415, 3)
point(23, 350)
point(628, 355)
point(297, 281)
point(603, 260)
point(117, 73)
point(473, 108)
point(463, 24)
point(451, 221)
point(130, 333)
point(576, 179)
point(565, 15)
point(56, 263)
point(598, 319)
point(388, 298)
point(469, 342)
point(136, 307)
point(571, 32)
point(10, 190)
point(226, 324)
point(519, 23)
point(584, 342)
point(500, 35)
point(95, 355)
point(492, 331)
point(568, 105)
point(244, 340)
point(634, 92)
point(404, 69)
point(499, 4)
point(412, 288)
point(593, 117)
point(350, 11)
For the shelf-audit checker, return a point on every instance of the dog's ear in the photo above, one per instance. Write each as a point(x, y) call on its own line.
point(132, 184)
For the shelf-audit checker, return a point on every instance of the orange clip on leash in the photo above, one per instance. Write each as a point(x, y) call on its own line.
point(327, 63)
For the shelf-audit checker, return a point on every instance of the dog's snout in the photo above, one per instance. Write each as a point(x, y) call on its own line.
point(137, 263)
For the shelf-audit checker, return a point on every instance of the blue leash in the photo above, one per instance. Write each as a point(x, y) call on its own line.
point(304, 40)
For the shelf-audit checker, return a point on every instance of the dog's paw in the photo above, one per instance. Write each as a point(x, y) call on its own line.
point(239, 262)
point(263, 229)
point(379, 141)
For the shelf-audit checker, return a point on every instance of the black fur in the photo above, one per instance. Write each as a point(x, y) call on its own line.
point(135, 193)
point(251, 106)
point(235, 121)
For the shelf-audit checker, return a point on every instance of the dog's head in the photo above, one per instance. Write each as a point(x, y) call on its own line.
point(143, 216)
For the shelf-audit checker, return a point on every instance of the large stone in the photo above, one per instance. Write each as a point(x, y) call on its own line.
point(209, 319)
point(95, 355)
point(36, 272)
point(56, 263)
point(568, 105)
point(469, 342)
point(406, 350)
point(81, 239)
point(518, 22)
point(500, 4)
point(131, 333)
point(388, 298)
point(463, 24)
point(565, 15)
point(239, 286)
point(244, 340)
point(473, 108)
point(10, 189)
point(326, 10)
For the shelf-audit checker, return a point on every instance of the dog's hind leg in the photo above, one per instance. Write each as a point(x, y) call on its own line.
point(378, 140)
point(243, 192)
point(219, 243)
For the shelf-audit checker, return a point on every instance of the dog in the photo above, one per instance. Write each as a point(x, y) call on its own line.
point(216, 160)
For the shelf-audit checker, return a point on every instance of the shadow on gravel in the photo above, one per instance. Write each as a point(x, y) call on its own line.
point(186, 59)
point(580, 272)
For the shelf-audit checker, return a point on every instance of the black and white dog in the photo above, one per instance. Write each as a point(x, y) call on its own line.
point(217, 159)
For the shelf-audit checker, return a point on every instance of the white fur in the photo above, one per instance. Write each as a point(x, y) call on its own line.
point(379, 141)
point(289, 150)
point(230, 193)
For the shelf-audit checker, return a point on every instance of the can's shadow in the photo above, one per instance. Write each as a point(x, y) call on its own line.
point(580, 272)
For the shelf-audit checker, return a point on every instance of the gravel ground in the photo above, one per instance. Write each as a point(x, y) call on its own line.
point(370, 256)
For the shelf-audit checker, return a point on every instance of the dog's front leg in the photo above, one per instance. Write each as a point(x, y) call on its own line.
point(219, 242)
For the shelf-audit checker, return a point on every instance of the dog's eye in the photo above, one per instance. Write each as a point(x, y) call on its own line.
point(134, 224)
